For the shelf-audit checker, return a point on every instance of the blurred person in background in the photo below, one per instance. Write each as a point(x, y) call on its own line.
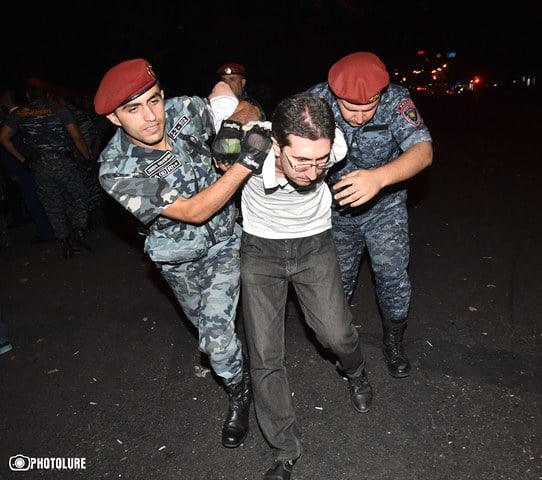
point(234, 74)
point(89, 124)
point(20, 175)
point(50, 133)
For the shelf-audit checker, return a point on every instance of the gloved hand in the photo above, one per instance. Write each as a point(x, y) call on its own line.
point(254, 148)
point(227, 142)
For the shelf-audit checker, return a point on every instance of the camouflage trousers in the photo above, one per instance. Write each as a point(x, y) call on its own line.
point(384, 234)
point(208, 291)
point(62, 192)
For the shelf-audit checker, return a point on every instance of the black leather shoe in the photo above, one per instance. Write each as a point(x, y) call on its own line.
point(361, 392)
point(394, 353)
point(280, 470)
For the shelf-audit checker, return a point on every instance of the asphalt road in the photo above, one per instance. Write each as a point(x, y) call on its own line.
point(105, 370)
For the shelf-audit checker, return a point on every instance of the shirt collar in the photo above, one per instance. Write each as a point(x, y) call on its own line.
point(269, 173)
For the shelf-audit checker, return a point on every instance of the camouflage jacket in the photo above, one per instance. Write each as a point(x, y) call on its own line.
point(43, 126)
point(396, 126)
point(146, 181)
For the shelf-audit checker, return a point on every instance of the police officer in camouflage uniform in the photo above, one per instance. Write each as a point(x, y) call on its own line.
point(49, 131)
point(21, 175)
point(388, 143)
point(234, 74)
point(158, 166)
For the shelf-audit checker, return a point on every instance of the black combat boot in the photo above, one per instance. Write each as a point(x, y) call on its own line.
point(361, 392)
point(394, 353)
point(235, 428)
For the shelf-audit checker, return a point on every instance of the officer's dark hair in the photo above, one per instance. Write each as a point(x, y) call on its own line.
point(36, 92)
point(305, 115)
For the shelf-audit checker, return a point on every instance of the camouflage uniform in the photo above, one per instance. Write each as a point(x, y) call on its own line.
point(96, 194)
point(380, 225)
point(199, 262)
point(57, 173)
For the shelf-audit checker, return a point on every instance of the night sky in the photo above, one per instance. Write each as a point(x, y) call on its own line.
point(285, 45)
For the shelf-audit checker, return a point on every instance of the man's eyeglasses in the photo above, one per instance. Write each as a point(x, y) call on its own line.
point(321, 165)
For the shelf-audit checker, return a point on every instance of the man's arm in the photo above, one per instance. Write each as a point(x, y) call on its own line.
point(359, 186)
point(78, 140)
point(6, 134)
point(245, 113)
point(224, 104)
point(254, 149)
point(198, 208)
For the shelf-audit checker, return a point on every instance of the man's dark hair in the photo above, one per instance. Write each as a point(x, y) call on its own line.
point(36, 92)
point(305, 115)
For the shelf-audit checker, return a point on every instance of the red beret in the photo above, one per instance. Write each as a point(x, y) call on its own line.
point(38, 83)
point(358, 77)
point(231, 68)
point(123, 82)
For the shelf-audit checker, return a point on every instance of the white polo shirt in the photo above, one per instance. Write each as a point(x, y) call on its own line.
point(273, 208)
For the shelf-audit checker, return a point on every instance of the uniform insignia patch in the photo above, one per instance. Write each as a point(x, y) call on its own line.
point(162, 167)
point(408, 111)
point(183, 121)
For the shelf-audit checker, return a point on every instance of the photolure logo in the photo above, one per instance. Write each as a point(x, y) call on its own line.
point(22, 463)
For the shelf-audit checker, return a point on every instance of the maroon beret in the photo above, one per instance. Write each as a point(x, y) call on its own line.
point(231, 68)
point(38, 83)
point(123, 82)
point(358, 77)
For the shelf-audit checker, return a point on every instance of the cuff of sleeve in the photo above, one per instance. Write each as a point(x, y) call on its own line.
point(339, 148)
point(222, 107)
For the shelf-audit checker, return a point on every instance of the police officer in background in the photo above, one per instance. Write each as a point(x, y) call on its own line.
point(50, 132)
point(234, 74)
point(158, 166)
point(21, 176)
point(388, 143)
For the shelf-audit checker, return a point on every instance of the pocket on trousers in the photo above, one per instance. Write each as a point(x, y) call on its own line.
point(175, 247)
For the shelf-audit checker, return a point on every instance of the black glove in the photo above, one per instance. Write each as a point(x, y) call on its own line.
point(254, 148)
point(227, 143)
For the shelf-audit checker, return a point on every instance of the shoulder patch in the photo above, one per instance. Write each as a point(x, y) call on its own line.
point(181, 123)
point(409, 112)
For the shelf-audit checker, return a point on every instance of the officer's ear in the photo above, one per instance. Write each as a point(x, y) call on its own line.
point(276, 147)
point(112, 117)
